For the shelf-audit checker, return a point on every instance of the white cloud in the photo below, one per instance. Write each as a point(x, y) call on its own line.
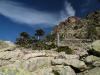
point(68, 11)
point(21, 14)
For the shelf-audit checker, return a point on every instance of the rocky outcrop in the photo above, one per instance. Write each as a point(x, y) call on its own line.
point(94, 17)
point(72, 62)
point(28, 62)
point(96, 45)
point(63, 70)
point(79, 33)
point(74, 33)
point(14, 60)
point(94, 71)
point(91, 59)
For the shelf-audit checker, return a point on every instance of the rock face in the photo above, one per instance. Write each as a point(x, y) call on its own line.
point(79, 33)
point(72, 62)
point(20, 61)
point(74, 32)
point(96, 45)
point(95, 71)
point(95, 17)
point(14, 61)
point(91, 58)
point(63, 70)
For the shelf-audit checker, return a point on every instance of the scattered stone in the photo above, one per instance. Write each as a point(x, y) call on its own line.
point(63, 70)
point(91, 59)
point(96, 46)
point(94, 71)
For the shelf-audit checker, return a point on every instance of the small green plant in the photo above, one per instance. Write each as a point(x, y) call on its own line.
point(52, 45)
point(65, 49)
point(55, 72)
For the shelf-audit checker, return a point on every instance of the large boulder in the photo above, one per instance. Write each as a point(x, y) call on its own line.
point(33, 64)
point(94, 71)
point(72, 62)
point(43, 71)
point(95, 48)
point(91, 59)
point(96, 63)
point(9, 57)
point(96, 45)
point(63, 70)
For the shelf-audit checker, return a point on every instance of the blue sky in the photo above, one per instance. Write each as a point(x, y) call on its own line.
point(28, 15)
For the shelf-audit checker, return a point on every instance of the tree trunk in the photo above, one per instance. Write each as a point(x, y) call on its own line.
point(58, 39)
point(38, 37)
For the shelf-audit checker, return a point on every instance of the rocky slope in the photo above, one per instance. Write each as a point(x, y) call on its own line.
point(20, 61)
point(78, 33)
point(74, 27)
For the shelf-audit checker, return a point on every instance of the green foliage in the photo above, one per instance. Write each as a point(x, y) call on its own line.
point(24, 40)
point(65, 49)
point(52, 45)
point(24, 35)
point(50, 37)
point(27, 41)
point(39, 32)
point(55, 72)
point(40, 45)
point(62, 37)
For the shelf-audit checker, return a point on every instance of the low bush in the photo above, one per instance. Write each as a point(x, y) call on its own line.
point(52, 46)
point(65, 49)
point(55, 72)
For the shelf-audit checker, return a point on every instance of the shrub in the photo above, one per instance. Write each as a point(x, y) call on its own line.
point(55, 72)
point(65, 49)
point(52, 45)
point(40, 45)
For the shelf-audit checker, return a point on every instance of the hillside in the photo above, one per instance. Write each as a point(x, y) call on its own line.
point(78, 33)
